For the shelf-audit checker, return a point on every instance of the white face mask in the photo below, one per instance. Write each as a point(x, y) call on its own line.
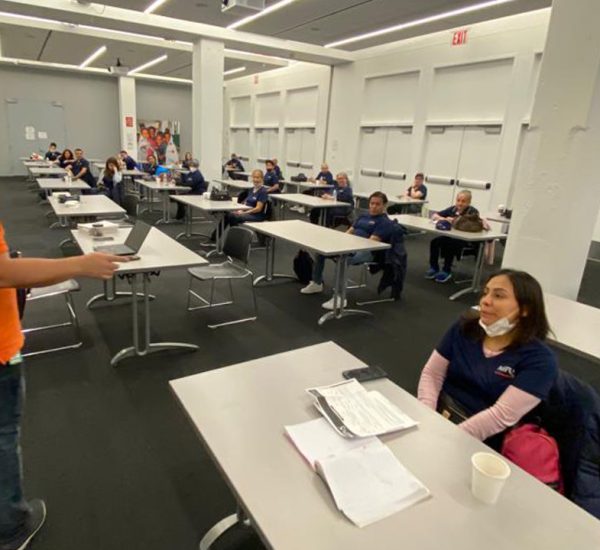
point(498, 328)
point(193, 169)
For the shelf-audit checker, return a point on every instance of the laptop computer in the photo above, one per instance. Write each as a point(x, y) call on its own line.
point(132, 244)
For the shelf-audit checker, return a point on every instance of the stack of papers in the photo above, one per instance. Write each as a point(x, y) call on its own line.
point(366, 480)
point(355, 412)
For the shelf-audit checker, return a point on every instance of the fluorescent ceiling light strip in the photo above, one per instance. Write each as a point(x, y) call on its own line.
point(27, 17)
point(233, 71)
point(266, 11)
point(100, 51)
point(148, 64)
point(418, 22)
point(154, 6)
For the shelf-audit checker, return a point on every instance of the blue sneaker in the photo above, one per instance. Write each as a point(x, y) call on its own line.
point(443, 277)
point(431, 273)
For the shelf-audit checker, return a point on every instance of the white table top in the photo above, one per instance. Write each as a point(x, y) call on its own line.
point(496, 217)
point(198, 201)
point(240, 413)
point(159, 251)
point(89, 205)
point(239, 184)
point(47, 170)
point(308, 184)
point(425, 224)
point(132, 173)
point(391, 200)
point(151, 184)
point(58, 184)
point(317, 238)
point(308, 200)
point(39, 163)
point(576, 326)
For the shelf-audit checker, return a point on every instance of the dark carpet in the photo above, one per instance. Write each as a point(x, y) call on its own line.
point(110, 450)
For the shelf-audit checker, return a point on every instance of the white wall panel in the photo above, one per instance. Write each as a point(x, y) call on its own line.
point(267, 109)
point(396, 160)
point(475, 91)
point(307, 154)
point(240, 142)
point(301, 106)
point(372, 150)
point(390, 98)
point(240, 113)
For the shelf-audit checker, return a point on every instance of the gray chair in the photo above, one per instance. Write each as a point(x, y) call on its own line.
point(237, 249)
point(64, 290)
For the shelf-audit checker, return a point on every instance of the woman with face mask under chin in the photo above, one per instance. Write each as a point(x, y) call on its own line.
point(492, 367)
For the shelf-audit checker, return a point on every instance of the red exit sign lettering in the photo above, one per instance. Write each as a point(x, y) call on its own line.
point(459, 37)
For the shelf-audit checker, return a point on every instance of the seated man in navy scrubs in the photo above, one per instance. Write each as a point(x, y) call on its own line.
point(80, 169)
point(417, 190)
point(128, 161)
point(324, 176)
point(271, 178)
point(195, 180)
point(341, 192)
point(52, 154)
point(234, 165)
point(375, 225)
point(277, 169)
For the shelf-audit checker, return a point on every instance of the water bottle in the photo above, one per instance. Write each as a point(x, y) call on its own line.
point(335, 194)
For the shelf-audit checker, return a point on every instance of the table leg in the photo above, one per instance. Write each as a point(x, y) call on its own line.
point(322, 217)
point(219, 235)
point(188, 233)
point(142, 346)
point(222, 527)
point(339, 294)
point(476, 281)
point(270, 265)
point(110, 293)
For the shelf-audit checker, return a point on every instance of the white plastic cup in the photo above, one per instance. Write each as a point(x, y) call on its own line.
point(489, 474)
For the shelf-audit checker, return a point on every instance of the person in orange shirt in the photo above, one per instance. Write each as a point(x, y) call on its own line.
point(20, 520)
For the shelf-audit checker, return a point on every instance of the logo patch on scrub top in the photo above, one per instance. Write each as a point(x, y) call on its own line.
point(505, 372)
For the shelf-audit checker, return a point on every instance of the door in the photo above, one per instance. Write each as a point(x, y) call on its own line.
point(32, 125)
point(307, 151)
point(440, 164)
point(293, 151)
point(478, 163)
point(372, 150)
point(396, 161)
point(240, 143)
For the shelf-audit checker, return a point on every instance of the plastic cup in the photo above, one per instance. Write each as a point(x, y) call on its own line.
point(489, 475)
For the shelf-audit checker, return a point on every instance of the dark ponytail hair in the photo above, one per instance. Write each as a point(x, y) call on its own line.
point(533, 323)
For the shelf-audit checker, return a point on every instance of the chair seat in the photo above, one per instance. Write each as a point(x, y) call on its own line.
point(52, 290)
point(226, 269)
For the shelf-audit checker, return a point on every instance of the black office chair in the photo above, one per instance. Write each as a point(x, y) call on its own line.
point(237, 249)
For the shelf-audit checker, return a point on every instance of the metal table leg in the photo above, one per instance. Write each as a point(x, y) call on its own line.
point(476, 281)
point(270, 265)
point(339, 294)
point(142, 346)
point(187, 232)
point(221, 527)
point(110, 293)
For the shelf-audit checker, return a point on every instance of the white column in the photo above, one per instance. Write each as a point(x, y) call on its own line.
point(127, 115)
point(557, 194)
point(207, 106)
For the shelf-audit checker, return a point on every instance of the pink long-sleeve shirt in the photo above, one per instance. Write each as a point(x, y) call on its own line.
point(510, 407)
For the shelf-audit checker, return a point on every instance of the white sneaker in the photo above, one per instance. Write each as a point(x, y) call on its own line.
point(312, 288)
point(301, 210)
point(295, 207)
point(329, 304)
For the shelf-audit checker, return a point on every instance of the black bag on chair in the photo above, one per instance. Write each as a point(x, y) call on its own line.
point(303, 266)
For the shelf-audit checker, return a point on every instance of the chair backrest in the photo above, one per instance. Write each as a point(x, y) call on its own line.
point(268, 209)
point(237, 243)
point(130, 203)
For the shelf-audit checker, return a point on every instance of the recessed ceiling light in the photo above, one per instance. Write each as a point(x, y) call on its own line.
point(148, 64)
point(266, 11)
point(418, 22)
point(100, 51)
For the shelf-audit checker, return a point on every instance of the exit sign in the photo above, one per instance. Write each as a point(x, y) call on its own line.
point(459, 37)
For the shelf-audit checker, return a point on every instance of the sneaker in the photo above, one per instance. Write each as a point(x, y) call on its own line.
point(329, 304)
point(312, 288)
point(32, 526)
point(301, 210)
point(431, 273)
point(295, 207)
point(443, 277)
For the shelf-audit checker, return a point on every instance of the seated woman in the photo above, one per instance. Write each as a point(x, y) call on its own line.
point(257, 199)
point(341, 192)
point(150, 165)
point(66, 158)
point(195, 181)
point(112, 181)
point(492, 367)
point(185, 163)
point(271, 178)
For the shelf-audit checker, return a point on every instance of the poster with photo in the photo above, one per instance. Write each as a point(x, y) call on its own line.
point(159, 138)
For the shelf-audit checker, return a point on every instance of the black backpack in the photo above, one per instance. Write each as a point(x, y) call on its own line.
point(303, 266)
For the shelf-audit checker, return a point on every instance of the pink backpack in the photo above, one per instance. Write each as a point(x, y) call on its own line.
point(534, 450)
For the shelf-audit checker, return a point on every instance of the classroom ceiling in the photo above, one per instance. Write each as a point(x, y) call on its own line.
point(317, 22)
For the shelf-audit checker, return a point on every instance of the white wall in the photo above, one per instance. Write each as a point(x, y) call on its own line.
point(88, 100)
point(280, 113)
